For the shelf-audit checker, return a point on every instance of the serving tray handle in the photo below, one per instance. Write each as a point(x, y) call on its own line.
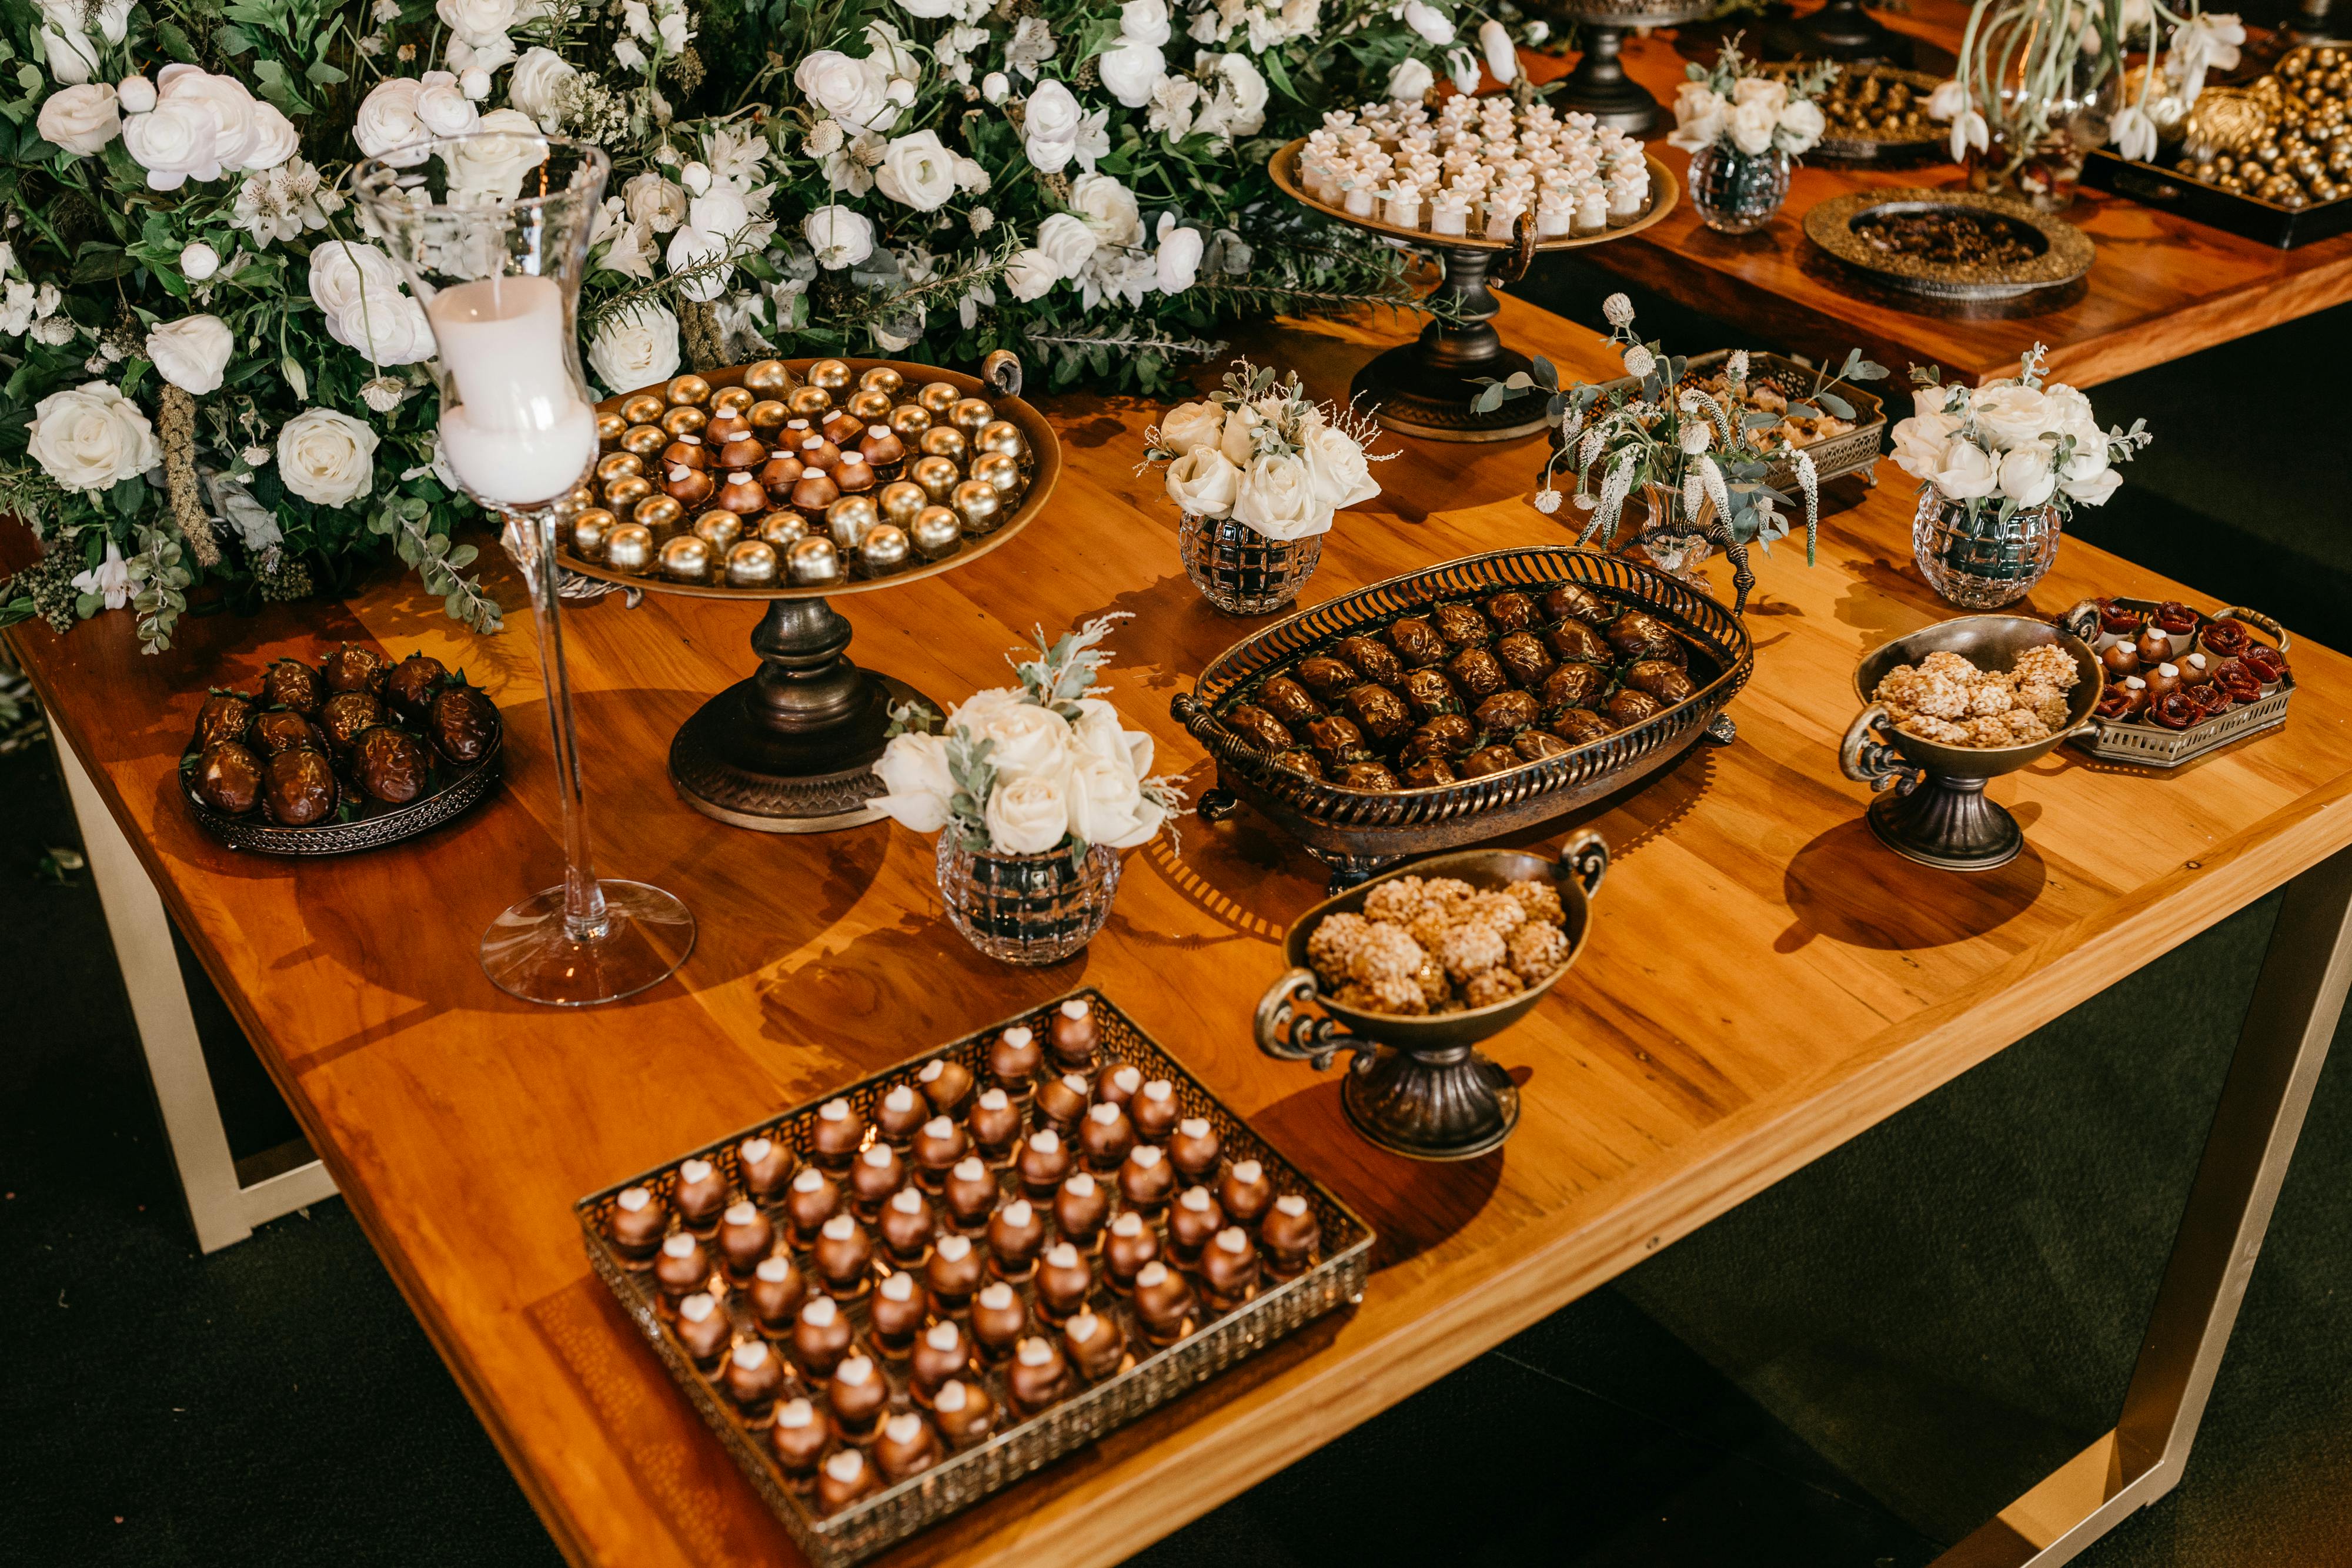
point(2254, 617)
point(1288, 1035)
point(1866, 759)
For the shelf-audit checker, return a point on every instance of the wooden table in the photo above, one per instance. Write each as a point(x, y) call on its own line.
point(2161, 288)
point(1763, 980)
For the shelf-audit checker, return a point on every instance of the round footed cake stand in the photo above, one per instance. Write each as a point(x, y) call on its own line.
point(791, 750)
point(1424, 388)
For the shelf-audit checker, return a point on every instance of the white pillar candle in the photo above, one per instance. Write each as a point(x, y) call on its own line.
point(520, 433)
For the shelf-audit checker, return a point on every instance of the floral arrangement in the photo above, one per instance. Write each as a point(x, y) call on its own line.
point(1259, 450)
point(1737, 106)
point(1029, 769)
point(214, 379)
point(2013, 442)
point(1683, 445)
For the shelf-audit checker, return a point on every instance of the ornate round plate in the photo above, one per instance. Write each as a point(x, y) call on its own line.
point(2061, 252)
point(377, 824)
point(1664, 190)
point(1045, 446)
point(1853, 145)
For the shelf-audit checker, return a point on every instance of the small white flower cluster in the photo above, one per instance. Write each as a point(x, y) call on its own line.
point(279, 204)
point(659, 25)
point(2012, 441)
point(1264, 455)
point(1477, 167)
point(25, 308)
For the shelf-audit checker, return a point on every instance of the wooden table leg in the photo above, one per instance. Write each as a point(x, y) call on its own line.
point(2297, 1002)
point(223, 1210)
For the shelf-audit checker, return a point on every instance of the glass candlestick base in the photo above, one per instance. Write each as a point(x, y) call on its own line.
point(533, 950)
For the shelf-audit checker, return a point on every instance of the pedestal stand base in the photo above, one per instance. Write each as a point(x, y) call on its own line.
point(1431, 1105)
point(1409, 395)
point(727, 765)
point(1840, 30)
point(1948, 823)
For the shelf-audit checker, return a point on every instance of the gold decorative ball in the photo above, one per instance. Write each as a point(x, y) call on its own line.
point(629, 488)
point(610, 427)
point(882, 378)
point(645, 440)
point(934, 532)
point(971, 415)
point(812, 562)
point(900, 500)
point(580, 497)
point(619, 466)
point(643, 409)
point(850, 519)
point(1002, 435)
point(768, 414)
point(808, 403)
point(753, 563)
point(589, 531)
point(685, 420)
point(686, 558)
point(718, 529)
point(731, 401)
point(768, 378)
point(870, 405)
point(657, 513)
point(944, 440)
point(884, 549)
point(978, 504)
point(939, 397)
point(783, 529)
point(938, 477)
point(833, 375)
point(629, 547)
point(688, 388)
point(909, 419)
point(997, 469)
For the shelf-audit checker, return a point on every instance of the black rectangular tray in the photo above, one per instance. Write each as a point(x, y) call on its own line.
point(2286, 227)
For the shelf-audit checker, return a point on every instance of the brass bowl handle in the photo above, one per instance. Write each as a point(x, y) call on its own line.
point(1584, 860)
point(1287, 1035)
point(1522, 253)
point(1866, 759)
point(1001, 370)
point(2254, 617)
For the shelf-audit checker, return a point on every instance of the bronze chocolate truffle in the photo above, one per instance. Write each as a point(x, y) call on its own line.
point(765, 1167)
point(1132, 1244)
point(1163, 1300)
point(900, 1114)
point(1039, 1376)
point(699, 1193)
point(1080, 1208)
point(856, 1392)
point(896, 1313)
point(1192, 1218)
point(1106, 1136)
point(1117, 1084)
point(821, 1336)
point(995, 1122)
point(777, 1292)
point(939, 1145)
point(839, 1130)
point(1194, 1148)
point(873, 1177)
point(1061, 1102)
point(683, 1265)
point(971, 1190)
point(953, 1272)
point(1290, 1233)
point(1153, 1110)
point(1063, 1280)
point(1229, 1265)
point(228, 775)
point(638, 1222)
point(412, 682)
point(1015, 1059)
point(798, 1438)
point(811, 1201)
point(940, 1355)
point(945, 1084)
point(998, 1318)
point(744, 1237)
point(1045, 1161)
point(352, 668)
point(755, 1374)
point(845, 1479)
point(1246, 1194)
point(1073, 1027)
point(703, 1328)
point(1146, 1179)
point(907, 1225)
point(1095, 1344)
point(843, 1250)
point(1014, 1234)
point(967, 1415)
point(908, 1446)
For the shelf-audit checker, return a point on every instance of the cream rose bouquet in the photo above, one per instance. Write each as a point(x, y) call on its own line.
point(1740, 109)
point(1038, 769)
point(2013, 444)
point(1263, 452)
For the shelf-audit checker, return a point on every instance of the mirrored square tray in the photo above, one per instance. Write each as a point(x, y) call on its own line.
point(1147, 1376)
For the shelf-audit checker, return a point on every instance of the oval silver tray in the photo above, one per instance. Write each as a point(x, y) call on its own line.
point(258, 834)
point(1357, 832)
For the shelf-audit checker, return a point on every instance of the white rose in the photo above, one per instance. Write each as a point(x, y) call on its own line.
point(1502, 58)
point(1966, 472)
point(1409, 80)
point(444, 109)
point(1049, 126)
point(2070, 415)
point(387, 122)
point(1132, 71)
point(1700, 114)
point(1027, 816)
point(928, 10)
point(173, 142)
point(653, 201)
point(192, 352)
point(1031, 274)
point(348, 277)
point(1919, 444)
point(327, 458)
point(478, 21)
point(913, 768)
point(839, 237)
point(1336, 465)
point(385, 329)
point(92, 438)
point(2025, 475)
point(995, 88)
point(1931, 399)
point(198, 261)
point(1238, 441)
point(81, 119)
point(855, 92)
point(1108, 209)
point(1751, 127)
point(1277, 498)
point(73, 58)
point(1097, 732)
point(1144, 22)
point(1204, 483)
point(2095, 490)
point(1028, 741)
point(712, 219)
point(237, 121)
point(1191, 426)
point(489, 166)
point(1800, 127)
point(916, 172)
point(635, 348)
point(137, 93)
point(1068, 241)
point(538, 84)
point(1771, 93)
point(1106, 806)
point(2010, 414)
point(1428, 21)
point(1178, 257)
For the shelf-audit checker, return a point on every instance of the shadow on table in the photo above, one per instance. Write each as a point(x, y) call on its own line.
point(1850, 888)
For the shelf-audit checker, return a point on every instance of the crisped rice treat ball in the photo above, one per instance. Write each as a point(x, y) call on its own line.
point(1933, 693)
point(1540, 900)
point(1435, 989)
point(1991, 731)
point(1987, 698)
point(1471, 948)
point(1451, 892)
point(1491, 986)
point(2049, 664)
point(1536, 950)
point(1394, 901)
point(1332, 946)
point(1391, 996)
point(2025, 726)
point(1500, 910)
point(1430, 924)
point(1386, 952)
point(1948, 664)
point(1942, 732)
point(2045, 702)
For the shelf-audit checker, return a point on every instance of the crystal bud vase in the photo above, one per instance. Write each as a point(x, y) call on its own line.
point(1027, 909)
point(1242, 571)
point(1736, 192)
point(1985, 561)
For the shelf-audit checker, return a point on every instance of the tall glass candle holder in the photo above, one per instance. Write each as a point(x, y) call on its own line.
point(490, 234)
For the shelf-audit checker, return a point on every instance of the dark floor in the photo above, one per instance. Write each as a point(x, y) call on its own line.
point(1851, 1370)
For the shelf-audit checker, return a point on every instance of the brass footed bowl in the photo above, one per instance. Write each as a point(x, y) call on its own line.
point(1931, 806)
point(1419, 1086)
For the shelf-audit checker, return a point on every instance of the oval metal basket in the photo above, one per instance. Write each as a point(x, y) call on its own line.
point(1357, 832)
point(376, 826)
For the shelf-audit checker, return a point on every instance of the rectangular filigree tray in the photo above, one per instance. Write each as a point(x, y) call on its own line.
point(2145, 744)
point(1148, 1377)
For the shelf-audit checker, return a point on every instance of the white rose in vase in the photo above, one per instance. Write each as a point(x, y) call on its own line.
point(1028, 741)
point(1204, 483)
point(81, 119)
point(636, 348)
point(91, 437)
point(1751, 125)
point(1239, 440)
point(2026, 476)
point(1771, 93)
point(1097, 732)
point(1700, 114)
point(1277, 498)
point(539, 83)
point(1106, 805)
point(1920, 443)
point(1190, 424)
point(1799, 129)
point(1336, 465)
point(327, 458)
point(2012, 414)
point(1968, 472)
point(192, 352)
point(1027, 816)
point(913, 768)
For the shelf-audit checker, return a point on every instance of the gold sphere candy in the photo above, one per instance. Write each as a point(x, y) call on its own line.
point(882, 378)
point(944, 440)
point(590, 529)
point(688, 388)
point(629, 488)
point(833, 375)
point(850, 519)
point(782, 529)
point(731, 401)
point(808, 403)
point(581, 498)
point(971, 415)
point(978, 504)
point(619, 466)
point(814, 563)
point(686, 558)
point(934, 532)
point(659, 514)
point(769, 378)
point(997, 469)
point(753, 563)
point(630, 548)
point(685, 420)
point(718, 529)
point(900, 501)
point(909, 419)
point(1002, 435)
point(610, 428)
point(869, 406)
point(938, 477)
point(643, 409)
point(645, 440)
point(937, 397)
point(884, 549)
point(768, 414)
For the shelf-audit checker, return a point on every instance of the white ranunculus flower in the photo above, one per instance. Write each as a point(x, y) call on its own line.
point(635, 348)
point(1106, 806)
point(1428, 21)
point(475, 82)
point(348, 275)
point(1049, 126)
point(1031, 274)
point(2026, 476)
point(385, 329)
point(274, 140)
point(73, 58)
point(1027, 816)
point(712, 219)
point(489, 166)
point(173, 142)
point(840, 237)
point(1179, 256)
point(855, 92)
point(916, 172)
point(654, 202)
point(1190, 425)
point(1241, 95)
point(1968, 472)
point(1699, 115)
point(137, 93)
point(1277, 497)
point(2012, 414)
point(238, 126)
point(928, 10)
point(1144, 22)
point(1068, 240)
point(1109, 208)
point(1800, 127)
point(538, 85)
point(1132, 71)
point(1771, 93)
point(81, 119)
point(1751, 125)
point(192, 352)
point(387, 122)
point(444, 109)
point(91, 437)
point(913, 768)
point(1027, 741)
point(1336, 464)
point(1502, 57)
point(327, 458)
point(111, 17)
point(198, 261)
point(1409, 80)
point(1204, 482)
point(995, 88)
point(480, 22)
point(1920, 443)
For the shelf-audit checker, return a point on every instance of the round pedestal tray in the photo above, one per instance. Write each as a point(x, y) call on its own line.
point(1424, 388)
point(791, 750)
